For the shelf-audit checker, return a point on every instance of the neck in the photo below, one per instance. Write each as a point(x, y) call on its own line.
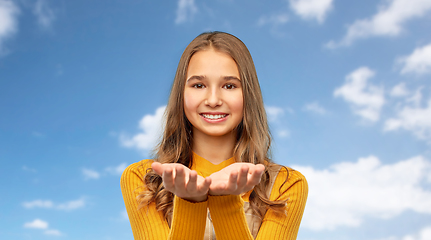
point(215, 149)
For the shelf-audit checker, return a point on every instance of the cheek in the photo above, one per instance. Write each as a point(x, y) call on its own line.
point(190, 102)
point(237, 105)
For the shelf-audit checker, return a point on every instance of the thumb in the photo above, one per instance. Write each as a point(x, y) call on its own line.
point(157, 167)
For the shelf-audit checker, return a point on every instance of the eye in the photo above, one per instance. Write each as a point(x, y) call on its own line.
point(198, 85)
point(229, 86)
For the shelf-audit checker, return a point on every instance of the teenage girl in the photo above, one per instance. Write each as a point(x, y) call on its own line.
point(212, 177)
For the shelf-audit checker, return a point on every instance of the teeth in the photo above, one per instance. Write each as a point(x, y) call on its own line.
point(214, 116)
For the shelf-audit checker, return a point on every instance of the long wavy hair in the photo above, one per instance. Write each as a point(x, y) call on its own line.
point(253, 135)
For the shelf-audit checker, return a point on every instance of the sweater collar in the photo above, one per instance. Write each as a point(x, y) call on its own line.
point(206, 168)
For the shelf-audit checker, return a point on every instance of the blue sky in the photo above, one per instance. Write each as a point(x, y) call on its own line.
point(346, 86)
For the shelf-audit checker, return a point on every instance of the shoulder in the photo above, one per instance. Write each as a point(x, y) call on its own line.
point(289, 181)
point(137, 169)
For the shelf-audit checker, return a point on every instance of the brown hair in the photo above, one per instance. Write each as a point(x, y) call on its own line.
point(253, 136)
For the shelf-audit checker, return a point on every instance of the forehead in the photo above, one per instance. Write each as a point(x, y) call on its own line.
point(212, 63)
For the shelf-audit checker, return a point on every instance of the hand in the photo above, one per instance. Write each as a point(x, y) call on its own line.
point(183, 182)
point(236, 179)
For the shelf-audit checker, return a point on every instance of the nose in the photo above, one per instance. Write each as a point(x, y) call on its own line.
point(213, 98)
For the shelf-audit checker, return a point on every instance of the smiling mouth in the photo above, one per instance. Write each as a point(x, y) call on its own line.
point(214, 117)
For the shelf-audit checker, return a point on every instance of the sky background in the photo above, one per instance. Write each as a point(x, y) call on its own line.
point(346, 85)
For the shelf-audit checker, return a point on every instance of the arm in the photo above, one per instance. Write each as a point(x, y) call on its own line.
point(278, 226)
point(188, 220)
point(225, 204)
point(229, 220)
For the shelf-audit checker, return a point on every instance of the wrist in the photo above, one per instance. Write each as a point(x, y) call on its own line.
point(196, 199)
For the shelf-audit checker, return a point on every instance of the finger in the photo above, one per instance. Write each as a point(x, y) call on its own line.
point(205, 187)
point(217, 189)
point(157, 167)
point(255, 176)
point(192, 184)
point(180, 178)
point(232, 183)
point(168, 178)
point(243, 175)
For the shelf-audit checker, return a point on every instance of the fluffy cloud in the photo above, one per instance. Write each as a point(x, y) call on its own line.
point(151, 126)
point(274, 20)
point(365, 98)
point(8, 22)
point(124, 215)
point(40, 224)
point(423, 234)
point(388, 21)
point(412, 117)
point(90, 174)
point(37, 224)
point(348, 192)
point(44, 14)
point(399, 90)
point(70, 205)
point(39, 204)
point(273, 112)
point(186, 9)
point(118, 170)
point(311, 9)
point(315, 107)
point(419, 62)
point(53, 232)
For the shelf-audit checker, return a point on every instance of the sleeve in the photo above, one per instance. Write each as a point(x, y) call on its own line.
point(188, 220)
point(229, 220)
point(295, 190)
point(228, 217)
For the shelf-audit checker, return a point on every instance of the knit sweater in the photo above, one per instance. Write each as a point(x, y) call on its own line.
point(227, 212)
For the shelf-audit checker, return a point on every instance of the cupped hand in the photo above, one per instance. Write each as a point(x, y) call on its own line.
point(183, 182)
point(236, 179)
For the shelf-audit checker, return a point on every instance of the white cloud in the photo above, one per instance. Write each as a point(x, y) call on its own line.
point(70, 205)
point(44, 14)
point(399, 90)
point(37, 223)
point(39, 204)
point(347, 193)
point(124, 215)
point(419, 62)
point(151, 126)
point(412, 117)
point(118, 170)
point(273, 112)
point(40, 224)
point(388, 21)
point(53, 232)
point(90, 174)
point(8, 22)
point(311, 9)
point(283, 133)
point(365, 98)
point(315, 107)
point(27, 169)
point(274, 20)
point(423, 234)
point(185, 11)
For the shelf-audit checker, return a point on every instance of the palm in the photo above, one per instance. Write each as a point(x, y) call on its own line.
point(236, 179)
point(182, 181)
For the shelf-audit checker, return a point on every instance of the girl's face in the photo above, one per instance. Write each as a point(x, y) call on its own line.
point(213, 101)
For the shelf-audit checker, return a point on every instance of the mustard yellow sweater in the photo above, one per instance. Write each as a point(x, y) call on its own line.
point(227, 212)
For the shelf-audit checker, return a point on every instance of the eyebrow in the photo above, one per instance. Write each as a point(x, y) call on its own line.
point(201, 77)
